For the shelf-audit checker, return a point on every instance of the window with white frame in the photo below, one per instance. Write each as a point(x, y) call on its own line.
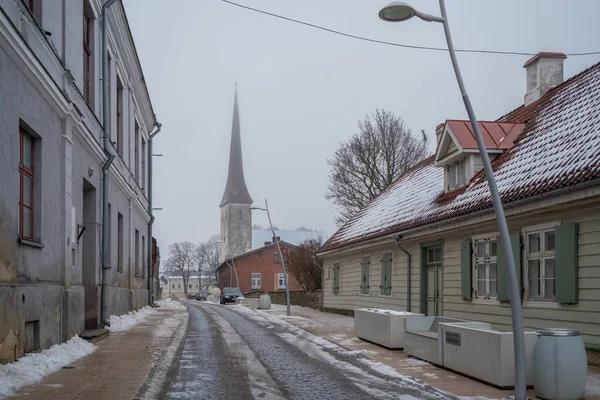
point(256, 280)
point(456, 174)
point(281, 281)
point(539, 256)
point(485, 268)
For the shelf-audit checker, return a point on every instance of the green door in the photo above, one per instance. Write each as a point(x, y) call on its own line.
point(433, 271)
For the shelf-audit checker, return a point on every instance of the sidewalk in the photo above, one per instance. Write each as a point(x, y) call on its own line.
point(339, 329)
point(120, 365)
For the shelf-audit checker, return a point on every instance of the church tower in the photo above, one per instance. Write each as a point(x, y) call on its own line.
point(236, 216)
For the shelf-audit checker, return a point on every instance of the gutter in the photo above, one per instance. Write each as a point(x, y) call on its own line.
point(109, 151)
point(408, 268)
point(151, 285)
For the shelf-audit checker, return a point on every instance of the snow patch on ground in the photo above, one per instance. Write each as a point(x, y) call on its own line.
point(169, 304)
point(126, 321)
point(592, 386)
point(388, 312)
point(121, 323)
point(33, 367)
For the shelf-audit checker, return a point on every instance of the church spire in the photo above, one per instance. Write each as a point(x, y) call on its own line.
point(235, 189)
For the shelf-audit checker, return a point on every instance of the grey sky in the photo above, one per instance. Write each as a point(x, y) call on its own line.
point(302, 91)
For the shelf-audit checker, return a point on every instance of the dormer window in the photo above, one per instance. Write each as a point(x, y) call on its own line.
point(457, 151)
point(456, 175)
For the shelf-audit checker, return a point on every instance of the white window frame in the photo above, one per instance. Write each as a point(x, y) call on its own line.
point(256, 280)
point(487, 260)
point(452, 171)
point(281, 278)
point(542, 256)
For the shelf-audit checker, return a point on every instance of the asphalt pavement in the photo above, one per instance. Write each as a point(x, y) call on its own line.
point(226, 355)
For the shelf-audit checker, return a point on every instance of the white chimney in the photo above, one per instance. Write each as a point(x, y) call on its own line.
point(544, 71)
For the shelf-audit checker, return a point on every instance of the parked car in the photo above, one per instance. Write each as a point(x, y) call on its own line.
point(202, 295)
point(229, 294)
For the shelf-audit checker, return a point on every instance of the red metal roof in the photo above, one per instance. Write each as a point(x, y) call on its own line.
point(558, 146)
point(496, 135)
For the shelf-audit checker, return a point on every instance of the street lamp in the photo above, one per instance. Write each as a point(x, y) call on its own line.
point(398, 11)
point(285, 275)
point(232, 261)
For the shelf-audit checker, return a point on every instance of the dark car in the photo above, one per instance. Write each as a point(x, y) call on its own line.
point(229, 294)
point(202, 295)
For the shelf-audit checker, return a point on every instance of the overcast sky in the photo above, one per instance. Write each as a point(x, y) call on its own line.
point(302, 91)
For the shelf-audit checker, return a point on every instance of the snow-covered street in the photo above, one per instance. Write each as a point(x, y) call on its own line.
point(254, 354)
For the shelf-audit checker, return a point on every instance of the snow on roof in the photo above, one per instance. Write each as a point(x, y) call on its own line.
point(260, 236)
point(559, 147)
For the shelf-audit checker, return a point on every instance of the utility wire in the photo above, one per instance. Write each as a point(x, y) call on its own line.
point(408, 46)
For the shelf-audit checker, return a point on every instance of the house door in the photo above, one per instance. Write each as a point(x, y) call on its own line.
point(89, 256)
point(433, 270)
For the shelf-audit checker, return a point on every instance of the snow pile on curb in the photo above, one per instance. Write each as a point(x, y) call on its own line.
point(121, 323)
point(169, 304)
point(126, 321)
point(33, 367)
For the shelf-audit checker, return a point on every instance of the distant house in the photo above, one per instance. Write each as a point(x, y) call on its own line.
point(262, 236)
point(429, 242)
point(175, 286)
point(258, 270)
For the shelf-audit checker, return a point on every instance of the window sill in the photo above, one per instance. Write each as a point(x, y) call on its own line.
point(541, 304)
point(31, 243)
point(487, 302)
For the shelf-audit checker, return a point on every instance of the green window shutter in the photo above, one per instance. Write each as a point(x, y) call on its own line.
point(466, 282)
point(502, 285)
point(365, 270)
point(336, 278)
point(566, 264)
point(386, 275)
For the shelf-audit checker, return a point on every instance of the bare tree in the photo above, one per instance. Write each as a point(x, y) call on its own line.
point(300, 264)
point(207, 256)
point(182, 261)
point(382, 150)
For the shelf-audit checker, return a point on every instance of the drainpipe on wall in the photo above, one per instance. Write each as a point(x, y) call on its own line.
point(108, 150)
point(151, 285)
point(397, 239)
point(314, 260)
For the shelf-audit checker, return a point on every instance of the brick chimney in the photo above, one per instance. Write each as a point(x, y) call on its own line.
point(544, 71)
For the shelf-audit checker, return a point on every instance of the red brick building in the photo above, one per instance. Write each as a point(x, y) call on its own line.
point(258, 270)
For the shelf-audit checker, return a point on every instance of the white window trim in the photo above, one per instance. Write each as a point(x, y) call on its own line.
point(279, 275)
point(474, 240)
point(252, 278)
point(525, 267)
point(370, 273)
point(465, 162)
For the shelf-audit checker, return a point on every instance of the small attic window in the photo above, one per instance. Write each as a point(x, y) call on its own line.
point(456, 175)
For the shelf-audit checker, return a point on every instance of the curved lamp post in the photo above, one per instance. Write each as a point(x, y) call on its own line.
point(285, 275)
point(398, 11)
point(232, 261)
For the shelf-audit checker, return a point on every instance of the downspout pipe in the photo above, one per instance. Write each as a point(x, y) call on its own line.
point(151, 278)
point(108, 150)
point(408, 270)
point(314, 260)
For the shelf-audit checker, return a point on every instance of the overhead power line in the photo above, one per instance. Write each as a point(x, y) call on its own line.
point(408, 46)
